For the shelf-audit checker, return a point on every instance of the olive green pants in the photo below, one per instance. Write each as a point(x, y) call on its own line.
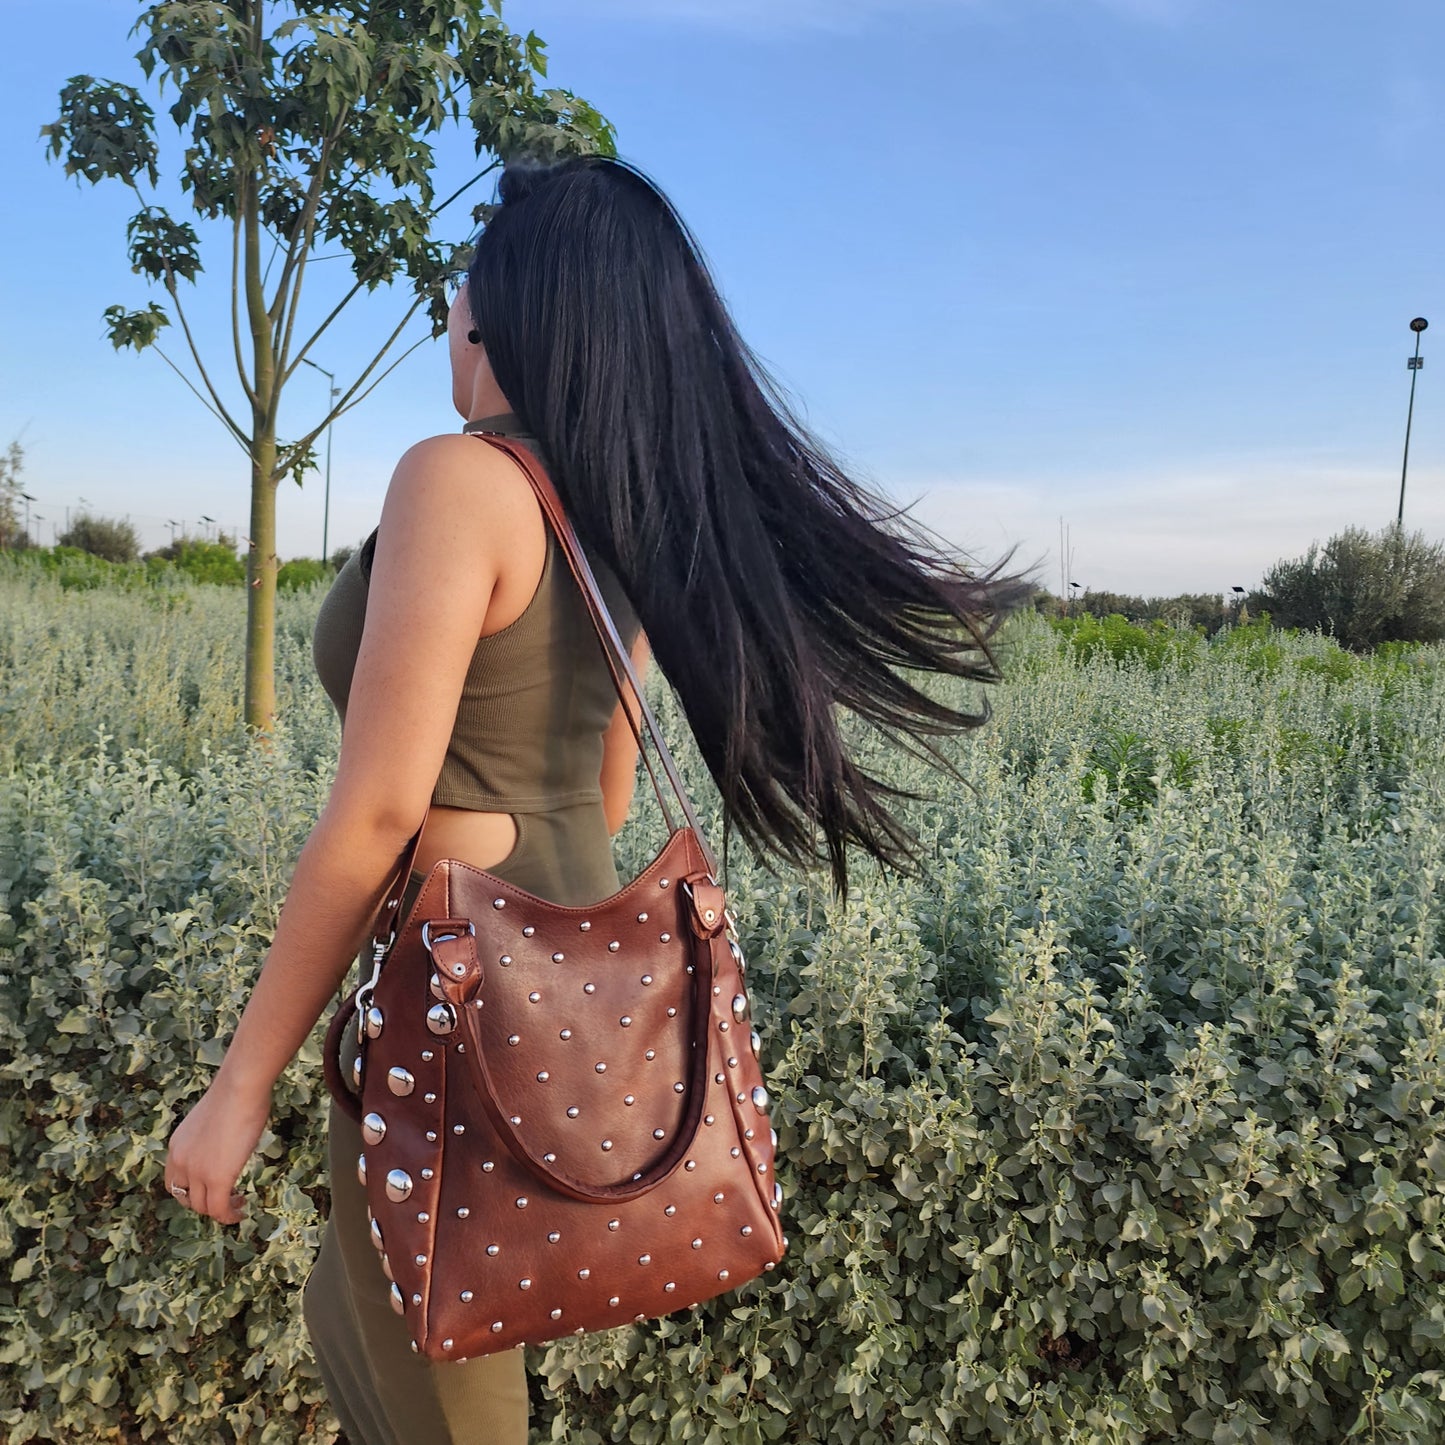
point(382, 1392)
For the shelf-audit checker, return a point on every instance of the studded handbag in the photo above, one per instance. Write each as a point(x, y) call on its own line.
point(564, 1119)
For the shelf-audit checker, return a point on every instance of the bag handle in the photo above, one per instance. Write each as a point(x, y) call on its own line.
point(619, 665)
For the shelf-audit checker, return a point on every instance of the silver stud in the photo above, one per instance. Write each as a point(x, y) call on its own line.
point(615, 1301)
point(420, 1260)
point(524, 1284)
point(644, 1259)
point(659, 1133)
point(361, 1168)
point(459, 1128)
point(607, 1146)
point(757, 1042)
point(431, 1136)
point(386, 1268)
point(416, 1299)
point(722, 1274)
point(505, 960)
point(584, 1274)
point(573, 1112)
point(723, 1025)
point(614, 1224)
point(613, 946)
point(553, 1237)
point(461, 1048)
point(650, 1055)
point(440, 1018)
point(763, 1167)
point(534, 997)
point(499, 903)
point(746, 1230)
point(556, 1314)
point(670, 1286)
point(646, 978)
point(747, 1133)
point(374, 1021)
point(521, 1201)
point(709, 1119)
point(760, 1097)
point(718, 1079)
point(494, 1250)
point(356, 1072)
point(691, 1164)
point(718, 1197)
point(376, 1235)
point(542, 1076)
point(398, 1185)
point(549, 1158)
point(662, 882)
point(601, 1068)
point(626, 1021)
point(373, 1128)
point(732, 1063)
point(679, 1087)
point(584, 926)
point(664, 938)
point(691, 969)
point(496, 1327)
point(558, 957)
point(427, 1056)
point(487, 1166)
point(514, 1039)
point(399, 1081)
point(398, 1300)
point(740, 1005)
point(589, 988)
point(670, 1210)
point(697, 1244)
point(516, 1119)
point(426, 1173)
point(708, 914)
point(629, 1099)
point(463, 1212)
point(777, 1194)
point(466, 1296)
point(642, 918)
point(672, 1013)
point(528, 931)
point(734, 1152)
point(773, 1135)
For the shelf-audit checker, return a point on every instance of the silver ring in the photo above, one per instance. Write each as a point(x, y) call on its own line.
point(180, 1191)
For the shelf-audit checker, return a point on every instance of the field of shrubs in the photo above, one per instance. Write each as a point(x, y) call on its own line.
point(1122, 1123)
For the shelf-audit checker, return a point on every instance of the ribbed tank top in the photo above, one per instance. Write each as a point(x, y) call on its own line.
point(537, 696)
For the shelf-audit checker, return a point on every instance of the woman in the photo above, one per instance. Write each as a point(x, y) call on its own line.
point(771, 587)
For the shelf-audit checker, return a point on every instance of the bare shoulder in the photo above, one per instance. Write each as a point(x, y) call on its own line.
point(459, 479)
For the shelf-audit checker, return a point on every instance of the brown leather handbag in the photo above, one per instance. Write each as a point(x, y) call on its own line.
point(564, 1120)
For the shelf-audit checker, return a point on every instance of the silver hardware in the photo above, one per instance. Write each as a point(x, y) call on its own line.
point(386, 1269)
point(629, 1099)
point(420, 1260)
point(746, 1230)
point(514, 1039)
point(614, 1224)
point(543, 1076)
point(740, 1005)
point(691, 1164)
point(573, 1112)
point(644, 1259)
point(615, 1301)
point(553, 1237)
point(773, 1133)
point(558, 957)
point(679, 1087)
point(427, 1056)
point(399, 1081)
point(709, 1119)
point(463, 1212)
point(376, 1238)
point(760, 1097)
point(670, 1210)
point(664, 938)
point(427, 1173)
point(777, 1194)
point(613, 946)
point(732, 1063)
point(735, 1152)
point(642, 918)
point(459, 1128)
point(757, 1042)
point(534, 997)
point(659, 1133)
point(718, 1197)
point(434, 983)
point(606, 1146)
point(672, 1013)
point(584, 926)
point(565, 1034)
point(496, 1327)
point(601, 1068)
point(524, 1284)
point(428, 938)
point(494, 1250)
point(528, 931)
point(440, 1018)
point(373, 1128)
point(662, 882)
point(499, 903)
point(584, 1274)
point(521, 1201)
point(697, 1244)
point(556, 1314)
point(646, 978)
point(505, 960)
point(589, 988)
point(356, 1072)
point(650, 1055)
point(626, 1021)
point(722, 1274)
point(549, 1158)
point(361, 1167)
point(670, 1286)
point(516, 1119)
point(398, 1301)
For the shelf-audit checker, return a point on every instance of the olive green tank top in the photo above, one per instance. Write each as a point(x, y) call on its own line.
point(537, 696)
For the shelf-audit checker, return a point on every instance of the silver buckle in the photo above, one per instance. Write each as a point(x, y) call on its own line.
point(426, 934)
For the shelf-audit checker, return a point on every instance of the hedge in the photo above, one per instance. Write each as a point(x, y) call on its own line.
point(1121, 1122)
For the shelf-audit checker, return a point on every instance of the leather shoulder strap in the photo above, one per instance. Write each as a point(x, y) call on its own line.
point(619, 660)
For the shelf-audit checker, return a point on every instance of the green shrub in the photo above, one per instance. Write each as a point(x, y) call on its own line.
point(1116, 637)
point(1122, 1123)
point(302, 572)
point(1364, 589)
point(115, 541)
point(203, 561)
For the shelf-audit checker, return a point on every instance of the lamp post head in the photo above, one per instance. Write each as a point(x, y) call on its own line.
point(1419, 324)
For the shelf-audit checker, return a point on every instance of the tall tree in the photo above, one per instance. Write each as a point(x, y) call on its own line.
point(306, 124)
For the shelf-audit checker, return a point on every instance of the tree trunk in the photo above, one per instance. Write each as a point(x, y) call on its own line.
point(261, 568)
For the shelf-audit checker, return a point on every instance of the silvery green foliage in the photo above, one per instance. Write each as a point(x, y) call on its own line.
point(1119, 1124)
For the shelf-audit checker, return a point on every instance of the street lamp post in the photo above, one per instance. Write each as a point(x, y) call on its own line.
point(1416, 363)
point(326, 504)
point(27, 498)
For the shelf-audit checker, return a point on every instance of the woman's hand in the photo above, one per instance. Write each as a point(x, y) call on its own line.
point(210, 1147)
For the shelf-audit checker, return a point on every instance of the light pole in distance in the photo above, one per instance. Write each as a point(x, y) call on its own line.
point(1416, 364)
point(326, 505)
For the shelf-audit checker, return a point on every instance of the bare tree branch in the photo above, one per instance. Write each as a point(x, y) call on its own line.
point(240, 438)
point(220, 406)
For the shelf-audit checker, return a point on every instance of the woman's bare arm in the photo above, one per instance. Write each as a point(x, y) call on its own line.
point(452, 510)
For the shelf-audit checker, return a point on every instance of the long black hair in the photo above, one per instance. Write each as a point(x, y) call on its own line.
point(772, 587)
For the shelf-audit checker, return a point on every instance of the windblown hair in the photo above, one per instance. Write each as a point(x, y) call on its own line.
point(771, 586)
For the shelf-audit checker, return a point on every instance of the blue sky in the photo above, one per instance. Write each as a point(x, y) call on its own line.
point(1145, 265)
